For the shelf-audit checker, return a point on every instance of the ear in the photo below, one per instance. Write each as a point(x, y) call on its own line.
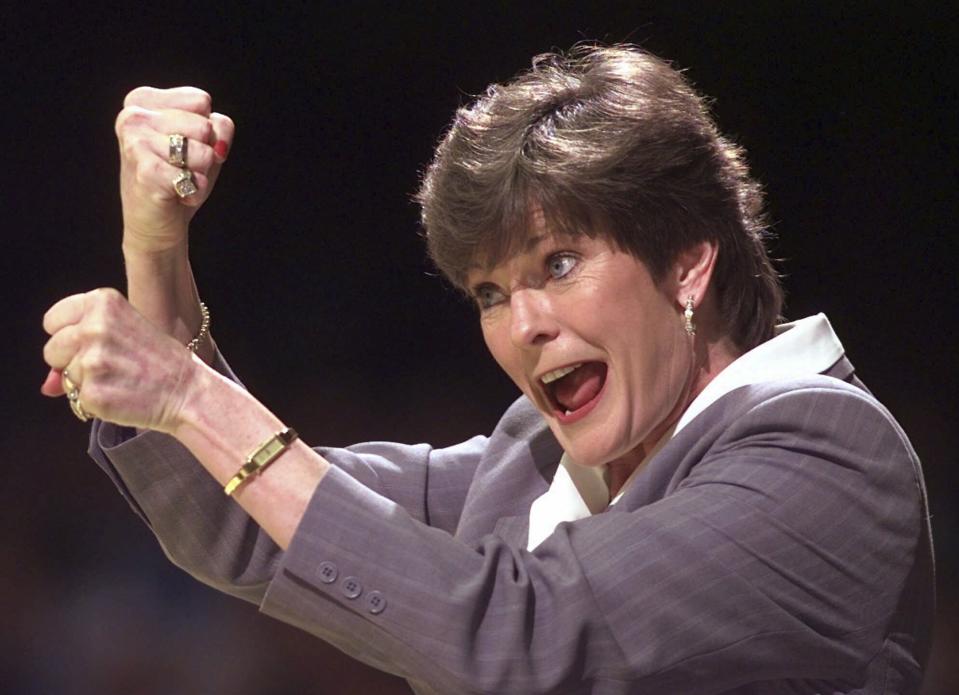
point(693, 270)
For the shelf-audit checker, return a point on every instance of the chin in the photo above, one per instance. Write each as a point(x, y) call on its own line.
point(585, 453)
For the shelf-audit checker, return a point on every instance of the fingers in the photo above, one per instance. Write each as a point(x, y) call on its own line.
point(144, 136)
point(61, 347)
point(69, 321)
point(173, 105)
point(144, 132)
point(154, 214)
point(67, 311)
point(159, 177)
point(180, 98)
point(62, 323)
point(121, 367)
point(198, 129)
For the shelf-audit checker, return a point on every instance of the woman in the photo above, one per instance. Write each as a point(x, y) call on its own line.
point(687, 498)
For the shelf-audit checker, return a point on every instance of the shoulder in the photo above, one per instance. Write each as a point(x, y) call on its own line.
point(815, 404)
point(792, 392)
point(811, 432)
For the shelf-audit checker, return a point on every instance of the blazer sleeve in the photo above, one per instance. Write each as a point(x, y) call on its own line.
point(781, 555)
point(210, 536)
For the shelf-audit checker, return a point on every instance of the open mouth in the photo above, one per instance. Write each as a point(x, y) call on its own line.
point(574, 390)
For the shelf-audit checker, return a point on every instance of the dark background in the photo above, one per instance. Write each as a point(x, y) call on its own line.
point(308, 255)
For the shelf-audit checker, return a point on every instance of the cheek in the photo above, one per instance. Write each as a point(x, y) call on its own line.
point(499, 346)
point(671, 374)
point(657, 367)
point(492, 344)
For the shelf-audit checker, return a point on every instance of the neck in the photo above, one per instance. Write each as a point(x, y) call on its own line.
point(712, 357)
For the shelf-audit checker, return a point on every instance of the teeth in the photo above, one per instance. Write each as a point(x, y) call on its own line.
point(552, 376)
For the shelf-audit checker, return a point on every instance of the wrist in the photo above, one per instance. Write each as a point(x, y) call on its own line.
point(198, 385)
point(160, 286)
point(141, 247)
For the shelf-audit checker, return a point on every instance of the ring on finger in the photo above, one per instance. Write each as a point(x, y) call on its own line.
point(67, 382)
point(183, 184)
point(177, 154)
point(73, 397)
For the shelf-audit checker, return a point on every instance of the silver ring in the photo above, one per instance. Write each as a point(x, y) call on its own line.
point(177, 155)
point(183, 184)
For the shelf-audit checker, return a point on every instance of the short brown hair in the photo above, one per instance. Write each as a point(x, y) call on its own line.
point(607, 141)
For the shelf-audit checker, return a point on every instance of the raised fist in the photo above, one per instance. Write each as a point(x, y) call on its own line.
point(156, 211)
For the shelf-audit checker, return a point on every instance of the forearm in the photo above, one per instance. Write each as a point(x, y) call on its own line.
point(160, 286)
point(220, 425)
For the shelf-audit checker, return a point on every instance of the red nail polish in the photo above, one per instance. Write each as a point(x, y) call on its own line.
point(221, 148)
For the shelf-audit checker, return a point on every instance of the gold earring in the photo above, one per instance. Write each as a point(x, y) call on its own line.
point(688, 315)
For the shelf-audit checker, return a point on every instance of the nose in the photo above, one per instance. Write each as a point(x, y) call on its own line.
point(532, 322)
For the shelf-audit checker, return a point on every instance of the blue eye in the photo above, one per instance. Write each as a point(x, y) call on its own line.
point(487, 296)
point(560, 265)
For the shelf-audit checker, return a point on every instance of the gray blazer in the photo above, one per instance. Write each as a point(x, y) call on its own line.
point(779, 543)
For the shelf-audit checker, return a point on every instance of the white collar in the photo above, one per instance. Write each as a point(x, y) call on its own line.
point(801, 348)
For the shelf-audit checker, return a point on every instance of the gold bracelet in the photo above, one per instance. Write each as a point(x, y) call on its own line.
point(262, 456)
point(194, 344)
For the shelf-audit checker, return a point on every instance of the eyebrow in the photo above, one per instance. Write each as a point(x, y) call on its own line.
point(529, 245)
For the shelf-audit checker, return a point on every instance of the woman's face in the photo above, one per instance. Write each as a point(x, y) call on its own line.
point(591, 340)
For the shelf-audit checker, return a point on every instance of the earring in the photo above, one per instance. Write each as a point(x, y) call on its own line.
point(688, 315)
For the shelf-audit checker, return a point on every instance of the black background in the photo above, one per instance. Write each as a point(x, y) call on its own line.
point(309, 257)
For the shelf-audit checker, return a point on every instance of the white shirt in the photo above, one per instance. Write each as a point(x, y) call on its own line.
point(801, 348)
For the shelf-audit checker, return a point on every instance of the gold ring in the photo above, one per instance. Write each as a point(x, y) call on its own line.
point(177, 154)
point(183, 184)
point(73, 396)
point(67, 382)
point(74, 399)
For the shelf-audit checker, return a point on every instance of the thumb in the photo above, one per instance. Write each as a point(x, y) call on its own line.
point(223, 132)
point(53, 385)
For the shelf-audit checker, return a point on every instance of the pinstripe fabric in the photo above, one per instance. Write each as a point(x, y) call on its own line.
point(778, 544)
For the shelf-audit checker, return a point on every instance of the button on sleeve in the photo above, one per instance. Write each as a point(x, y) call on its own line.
point(351, 587)
point(328, 572)
point(376, 602)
